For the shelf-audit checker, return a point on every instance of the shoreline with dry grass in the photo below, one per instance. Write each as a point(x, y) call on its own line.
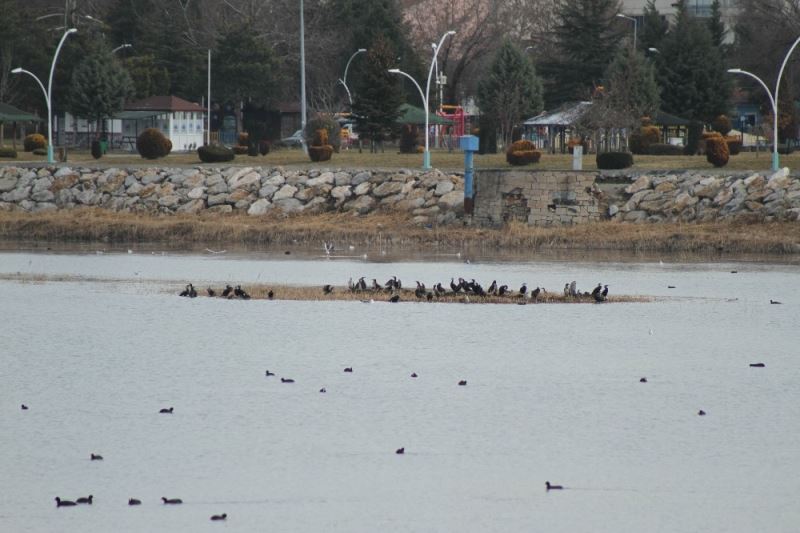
point(393, 230)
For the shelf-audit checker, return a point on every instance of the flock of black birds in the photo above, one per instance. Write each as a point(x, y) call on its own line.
point(394, 286)
point(228, 292)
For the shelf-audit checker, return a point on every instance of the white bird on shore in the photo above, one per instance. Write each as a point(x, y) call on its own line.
point(209, 250)
point(328, 247)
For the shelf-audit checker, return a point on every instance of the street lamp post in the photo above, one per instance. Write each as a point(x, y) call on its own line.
point(302, 76)
point(635, 26)
point(48, 94)
point(773, 100)
point(426, 161)
point(343, 80)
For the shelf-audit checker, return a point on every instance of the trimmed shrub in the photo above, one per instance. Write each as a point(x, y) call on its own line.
point(8, 152)
point(97, 150)
point(717, 151)
point(40, 151)
point(320, 153)
point(522, 153)
point(664, 149)
point(34, 141)
point(614, 160)
point(263, 147)
point(722, 124)
point(734, 145)
point(215, 153)
point(408, 139)
point(169, 146)
point(327, 123)
point(152, 144)
point(640, 141)
point(239, 149)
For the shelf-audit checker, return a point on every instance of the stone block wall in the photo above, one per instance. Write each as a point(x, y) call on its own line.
point(537, 198)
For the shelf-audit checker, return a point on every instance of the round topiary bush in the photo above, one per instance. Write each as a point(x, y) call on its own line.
point(33, 142)
point(327, 123)
point(9, 153)
point(152, 144)
point(408, 139)
point(97, 150)
point(215, 153)
point(522, 153)
point(717, 151)
point(640, 141)
point(722, 124)
point(320, 153)
point(169, 146)
point(614, 160)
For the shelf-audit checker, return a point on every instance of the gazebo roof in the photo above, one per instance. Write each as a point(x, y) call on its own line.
point(164, 103)
point(9, 113)
point(410, 114)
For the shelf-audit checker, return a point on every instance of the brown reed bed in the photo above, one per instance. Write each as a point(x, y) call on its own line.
point(386, 230)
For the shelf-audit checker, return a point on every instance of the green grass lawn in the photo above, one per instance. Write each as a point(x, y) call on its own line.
point(440, 159)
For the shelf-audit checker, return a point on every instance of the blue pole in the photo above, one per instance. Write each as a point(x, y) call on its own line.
point(469, 144)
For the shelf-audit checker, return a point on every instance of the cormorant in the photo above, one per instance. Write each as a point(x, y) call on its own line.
point(210, 292)
point(187, 291)
point(351, 285)
point(455, 287)
point(165, 410)
point(429, 296)
point(701, 413)
point(400, 451)
point(323, 390)
point(566, 289)
point(349, 369)
point(134, 501)
point(552, 487)
point(362, 285)
point(222, 516)
point(375, 285)
point(605, 291)
point(241, 293)
point(535, 293)
point(757, 365)
point(327, 289)
point(64, 503)
point(287, 380)
point(87, 500)
point(493, 287)
point(270, 294)
point(24, 407)
point(523, 290)
point(573, 289)
point(643, 380)
point(413, 374)
point(96, 457)
point(395, 298)
point(463, 382)
point(599, 298)
point(227, 292)
point(775, 302)
point(597, 290)
point(171, 501)
point(268, 373)
point(502, 290)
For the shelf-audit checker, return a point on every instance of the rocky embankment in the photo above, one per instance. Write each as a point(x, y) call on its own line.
point(700, 197)
point(429, 196)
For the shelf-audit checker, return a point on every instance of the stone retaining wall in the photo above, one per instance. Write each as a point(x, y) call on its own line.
point(430, 196)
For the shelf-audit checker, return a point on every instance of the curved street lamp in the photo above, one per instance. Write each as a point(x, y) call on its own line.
point(426, 161)
point(48, 94)
point(773, 100)
point(343, 80)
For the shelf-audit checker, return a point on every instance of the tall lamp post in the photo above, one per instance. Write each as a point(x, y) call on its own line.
point(48, 94)
point(635, 26)
point(303, 77)
point(773, 100)
point(343, 80)
point(426, 161)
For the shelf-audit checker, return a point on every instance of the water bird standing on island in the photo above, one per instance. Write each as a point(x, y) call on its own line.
point(241, 293)
point(189, 291)
point(64, 503)
point(327, 289)
point(597, 290)
point(270, 295)
point(552, 487)
point(535, 293)
point(227, 292)
point(503, 290)
point(573, 289)
point(171, 501)
point(455, 288)
point(362, 284)
point(523, 290)
point(375, 285)
point(394, 299)
point(87, 500)
point(605, 291)
point(210, 292)
point(566, 289)
point(492, 288)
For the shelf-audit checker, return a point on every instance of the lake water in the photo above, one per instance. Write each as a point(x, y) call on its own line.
point(553, 394)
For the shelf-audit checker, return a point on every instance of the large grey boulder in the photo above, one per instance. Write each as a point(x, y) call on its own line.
point(259, 207)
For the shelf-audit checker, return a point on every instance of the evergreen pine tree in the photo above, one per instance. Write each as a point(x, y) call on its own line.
point(716, 26)
point(377, 102)
point(654, 27)
point(148, 78)
point(246, 68)
point(631, 85)
point(588, 34)
point(691, 72)
point(511, 91)
point(99, 85)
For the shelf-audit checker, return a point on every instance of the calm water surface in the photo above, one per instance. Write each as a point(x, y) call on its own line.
point(553, 394)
